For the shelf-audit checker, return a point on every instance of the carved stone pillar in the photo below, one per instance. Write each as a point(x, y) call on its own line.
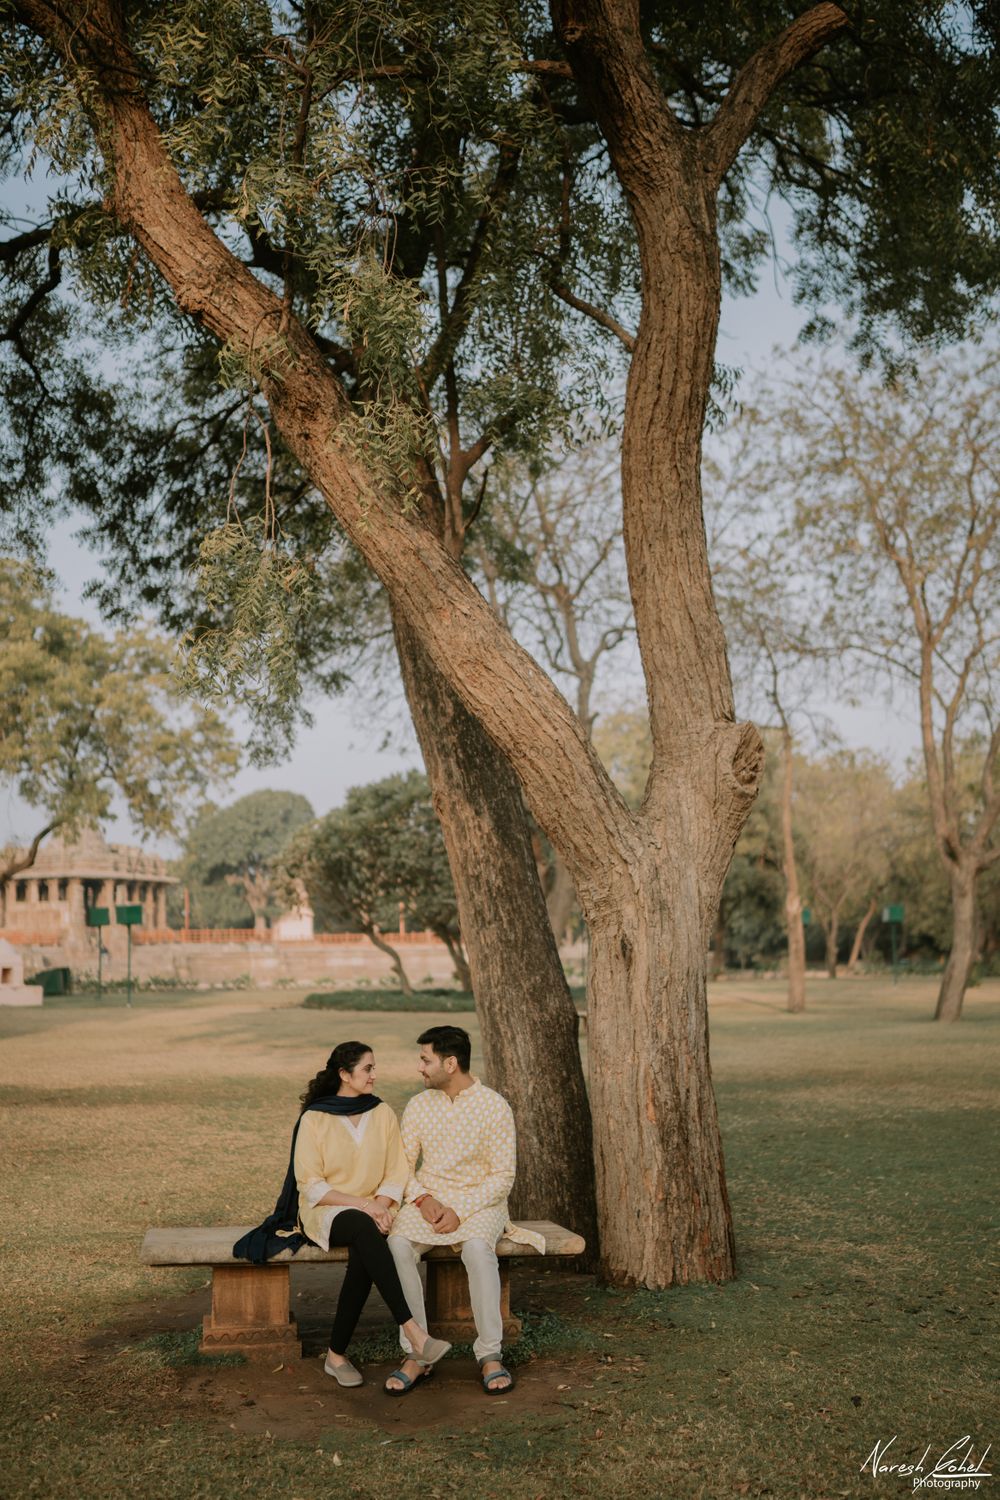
point(76, 923)
point(250, 1314)
point(449, 1311)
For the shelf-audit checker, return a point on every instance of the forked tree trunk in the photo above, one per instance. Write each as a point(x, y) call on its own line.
point(527, 1017)
point(650, 882)
point(963, 943)
point(859, 935)
point(793, 895)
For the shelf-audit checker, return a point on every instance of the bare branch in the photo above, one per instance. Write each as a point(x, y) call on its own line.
point(456, 320)
point(25, 858)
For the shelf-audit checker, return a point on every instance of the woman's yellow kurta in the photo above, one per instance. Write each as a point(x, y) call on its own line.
point(361, 1155)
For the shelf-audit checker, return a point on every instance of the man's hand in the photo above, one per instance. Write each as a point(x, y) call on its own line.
point(441, 1219)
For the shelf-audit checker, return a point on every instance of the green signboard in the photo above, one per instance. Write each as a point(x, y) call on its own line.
point(894, 916)
point(807, 916)
point(128, 916)
point(98, 916)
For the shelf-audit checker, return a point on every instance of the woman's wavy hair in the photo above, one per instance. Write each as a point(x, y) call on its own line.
point(345, 1056)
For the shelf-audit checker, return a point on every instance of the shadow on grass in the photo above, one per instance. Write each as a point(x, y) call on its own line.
point(177, 1348)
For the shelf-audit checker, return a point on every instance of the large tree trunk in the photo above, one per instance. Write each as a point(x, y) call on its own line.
point(649, 883)
point(793, 895)
point(527, 1017)
point(963, 943)
point(661, 1180)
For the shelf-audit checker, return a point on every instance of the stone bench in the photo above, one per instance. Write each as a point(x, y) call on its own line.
point(250, 1304)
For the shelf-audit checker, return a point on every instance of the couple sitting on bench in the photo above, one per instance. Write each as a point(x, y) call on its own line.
point(352, 1181)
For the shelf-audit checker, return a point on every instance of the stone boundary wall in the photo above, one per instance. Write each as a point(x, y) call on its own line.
point(262, 963)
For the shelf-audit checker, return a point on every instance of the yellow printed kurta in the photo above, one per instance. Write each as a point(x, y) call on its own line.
point(357, 1154)
point(463, 1152)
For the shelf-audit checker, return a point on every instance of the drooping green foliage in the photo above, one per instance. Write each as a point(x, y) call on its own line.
point(423, 185)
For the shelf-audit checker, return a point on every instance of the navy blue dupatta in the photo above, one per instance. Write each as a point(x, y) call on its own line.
point(266, 1241)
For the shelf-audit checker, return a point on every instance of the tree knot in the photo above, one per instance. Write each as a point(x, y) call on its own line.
point(741, 753)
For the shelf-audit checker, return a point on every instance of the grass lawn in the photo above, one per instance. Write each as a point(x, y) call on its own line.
point(861, 1147)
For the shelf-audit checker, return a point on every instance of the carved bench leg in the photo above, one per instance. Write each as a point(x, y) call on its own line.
point(449, 1311)
point(250, 1314)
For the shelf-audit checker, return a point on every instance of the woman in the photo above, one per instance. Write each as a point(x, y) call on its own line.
point(349, 1169)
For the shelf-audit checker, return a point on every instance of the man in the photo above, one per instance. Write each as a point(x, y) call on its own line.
point(462, 1135)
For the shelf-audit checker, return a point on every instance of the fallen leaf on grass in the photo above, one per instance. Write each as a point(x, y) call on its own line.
point(337, 1460)
point(277, 1368)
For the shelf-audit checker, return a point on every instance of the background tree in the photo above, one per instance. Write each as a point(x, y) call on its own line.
point(843, 819)
point(553, 566)
point(898, 495)
point(382, 848)
point(87, 719)
point(764, 613)
point(238, 847)
point(846, 136)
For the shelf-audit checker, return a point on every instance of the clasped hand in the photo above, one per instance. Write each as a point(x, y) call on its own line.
point(380, 1214)
point(441, 1219)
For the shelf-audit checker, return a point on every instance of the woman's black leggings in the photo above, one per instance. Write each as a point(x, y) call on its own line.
point(369, 1259)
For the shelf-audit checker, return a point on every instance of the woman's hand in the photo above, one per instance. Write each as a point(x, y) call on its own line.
point(377, 1211)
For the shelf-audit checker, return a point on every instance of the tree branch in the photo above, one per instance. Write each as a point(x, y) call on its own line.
point(757, 80)
point(26, 857)
point(457, 319)
point(605, 320)
point(567, 788)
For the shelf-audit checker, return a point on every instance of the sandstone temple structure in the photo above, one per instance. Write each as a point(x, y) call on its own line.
point(46, 904)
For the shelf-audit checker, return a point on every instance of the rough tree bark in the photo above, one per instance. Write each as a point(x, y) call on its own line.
point(649, 883)
point(793, 895)
point(527, 1017)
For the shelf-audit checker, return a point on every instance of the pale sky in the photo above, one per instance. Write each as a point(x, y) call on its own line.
point(344, 747)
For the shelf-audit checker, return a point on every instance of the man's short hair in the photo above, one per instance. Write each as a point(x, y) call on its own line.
point(448, 1041)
